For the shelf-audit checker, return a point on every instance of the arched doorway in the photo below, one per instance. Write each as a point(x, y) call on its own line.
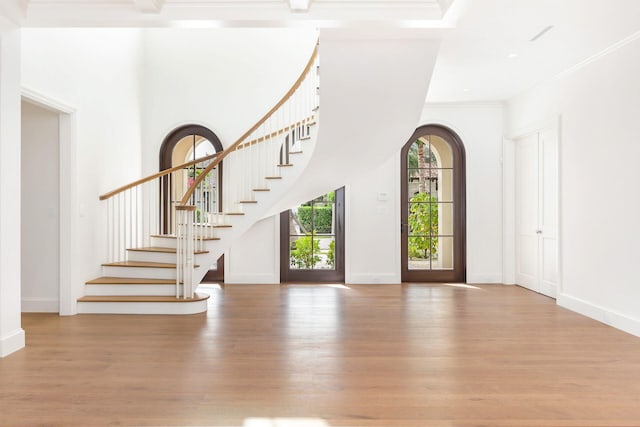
point(182, 145)
point(433, 206)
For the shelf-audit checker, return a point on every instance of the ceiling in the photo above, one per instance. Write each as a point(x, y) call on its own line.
point(487, 52)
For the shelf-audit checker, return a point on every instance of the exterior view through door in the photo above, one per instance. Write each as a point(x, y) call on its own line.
point(312, 240)
point(185, 144)
point(433, 207)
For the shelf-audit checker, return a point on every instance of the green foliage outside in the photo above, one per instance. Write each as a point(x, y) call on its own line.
point(331, 254)
point(423, 221)
point(322, 218)
point(304, 252)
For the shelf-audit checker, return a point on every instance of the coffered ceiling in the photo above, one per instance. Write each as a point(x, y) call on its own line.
point(221, 12)
point(491, 49)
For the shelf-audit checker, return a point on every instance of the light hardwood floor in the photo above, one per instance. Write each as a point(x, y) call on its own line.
point(312, 356)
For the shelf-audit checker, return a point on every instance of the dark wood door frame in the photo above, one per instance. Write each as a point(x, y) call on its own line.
point(288, 275)
point(166, 161)
point(458, 274)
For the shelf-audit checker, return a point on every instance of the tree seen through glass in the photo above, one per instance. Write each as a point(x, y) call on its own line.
point(312, 234)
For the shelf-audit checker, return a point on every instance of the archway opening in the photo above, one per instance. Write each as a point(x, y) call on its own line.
point(183, 145)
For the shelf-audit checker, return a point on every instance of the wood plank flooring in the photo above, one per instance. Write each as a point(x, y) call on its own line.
point(321, 356)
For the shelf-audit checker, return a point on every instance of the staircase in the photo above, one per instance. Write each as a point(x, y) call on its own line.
point(158, 254)
point(374, 84)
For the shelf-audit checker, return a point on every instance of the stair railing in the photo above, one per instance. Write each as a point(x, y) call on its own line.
point(251, 162)
point(146, 207)
point(184, 200)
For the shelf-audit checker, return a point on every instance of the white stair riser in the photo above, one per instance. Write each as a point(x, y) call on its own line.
point(169, 258)
point(163, 242)
point(128, 290)
point(170, 242)
point(139, 272)
point(143, 307)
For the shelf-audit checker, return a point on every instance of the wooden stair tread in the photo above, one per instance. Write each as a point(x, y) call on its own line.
point(272, 177)
point(161, 249)
point(248, 201)
point(295, 152)
point(142, 298)
point(233, 213)
point(129, 281)
point(261, 189)
point(170, 236)
point(143, 264)
point(285, 165)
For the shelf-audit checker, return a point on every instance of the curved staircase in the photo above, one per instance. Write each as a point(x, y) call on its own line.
point(374, 85)
point(151, 272)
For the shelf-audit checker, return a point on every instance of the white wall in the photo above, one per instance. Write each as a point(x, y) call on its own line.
point(372, 216)
point(97, 72)
point(373, 224)
point(11, 333)
point(480, 127)
point(599, 107)
point(255, 257)
point(40, 191)
point(223, 79)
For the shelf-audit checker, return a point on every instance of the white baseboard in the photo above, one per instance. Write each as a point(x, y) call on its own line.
point(484, 278)
point(40, 305)
point(617, 320)
point(250, 279)
point(366, 279)
point(12, 342)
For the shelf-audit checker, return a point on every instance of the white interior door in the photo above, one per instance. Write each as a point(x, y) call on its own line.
point(536, 212)
point(548, 238)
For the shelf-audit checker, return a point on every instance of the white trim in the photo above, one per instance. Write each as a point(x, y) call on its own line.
point(593, 58)
point(508, 212)
point(45, 101)
point(485, 279)
point(191, 307)
point(509, 231)
point(251, 279)
point(68, 195)
point(372, 278)
point(12, 342)
point(608, 317)
point(40, 305)
point(537, 126)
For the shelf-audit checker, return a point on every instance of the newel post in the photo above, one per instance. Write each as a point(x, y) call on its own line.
point(184, 250)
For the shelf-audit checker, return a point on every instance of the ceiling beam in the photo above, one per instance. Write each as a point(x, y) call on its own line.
point(13, 10)
point(299, 5)
point(149, 6)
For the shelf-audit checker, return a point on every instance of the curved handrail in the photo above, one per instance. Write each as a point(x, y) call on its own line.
point(264, 118)
point(164, 172)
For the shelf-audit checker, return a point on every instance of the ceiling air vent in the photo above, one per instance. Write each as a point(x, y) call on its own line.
point(544, 31)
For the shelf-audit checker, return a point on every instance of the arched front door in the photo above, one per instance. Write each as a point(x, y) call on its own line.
point(186, 143)
point(182, 145)
point(433, 206)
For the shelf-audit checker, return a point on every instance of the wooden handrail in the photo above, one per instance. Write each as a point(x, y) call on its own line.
point(276, 133)
point(264, 118)
point(155, 175)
